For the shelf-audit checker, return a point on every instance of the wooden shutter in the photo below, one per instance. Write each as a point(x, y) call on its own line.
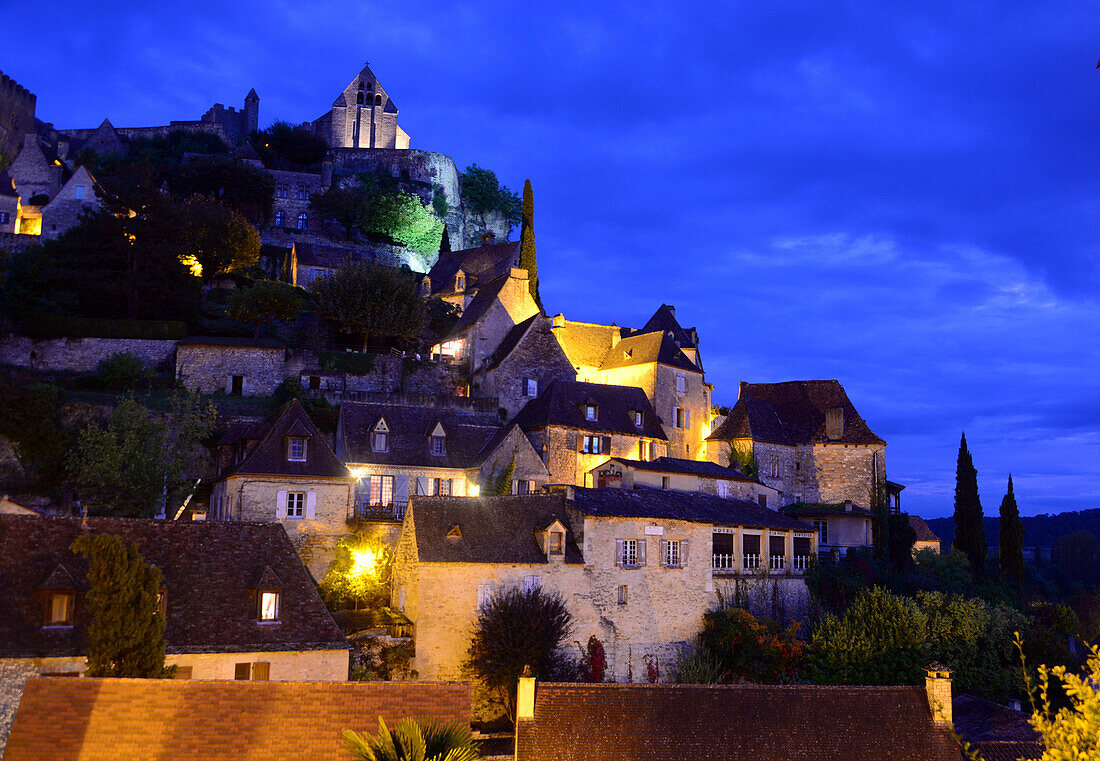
point(684, 553)
point(580, 442)
point(242, 671)
point(619, 553)
point(311, 505)
point(423, 486)
point(641, 552)
point(664, 551)
point(261, 671)
point(605, 445)
point(400, 489)
point(687, 417)
point(280, 506)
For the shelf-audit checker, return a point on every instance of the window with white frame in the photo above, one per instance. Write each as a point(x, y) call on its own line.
point(295, 504)
point(557, 542)
point(439, 445)
point(724, 489)
point(531, 387)
point(590, 445)
point(296, 449)
point(484, 594)
point(673, 554)
point(629, 556)
point(441, 487)
point(523, 486)
point(639, 418)
point(773, 465)
point(681, 384)
point(822, 531)
point(268, 605)
point(531, 583)
point(590, 412)
point(381, 491)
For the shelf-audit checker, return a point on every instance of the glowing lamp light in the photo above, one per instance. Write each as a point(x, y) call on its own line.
point(192, 264)
point(364, 562)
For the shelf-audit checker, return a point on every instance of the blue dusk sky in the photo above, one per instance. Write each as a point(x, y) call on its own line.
point(902, 195)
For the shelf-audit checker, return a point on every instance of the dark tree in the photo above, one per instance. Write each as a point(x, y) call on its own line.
point(482, 193)
point(126, 631)
point(901, 540)
point(518, 629)
point(234, 183)
point(264, 301)
point(32, 418)
point(969, 532)
point(371, 300)
point(286, 146)
point(527, 243)
point(219, 238)
point(344, 206)
point(1012, 537)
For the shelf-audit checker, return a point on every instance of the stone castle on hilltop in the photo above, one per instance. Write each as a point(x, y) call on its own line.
point(363, 116)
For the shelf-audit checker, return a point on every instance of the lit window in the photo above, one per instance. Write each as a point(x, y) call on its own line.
point(638, 419)
point(380, 441)
point(269, 605)
point(590, 445)
point(681, 384)
point(59, 609)
point(589, 412)
point(672, 553)
point(280, 217)
point(296, 450)
point(162, 603)
point(381, 491)
point(460, 282)
point(439, 445)
point(622, 594)
point(295, 504)
point(557, 540)
point(629, 555)
point(532, 387)
point(78, 192)
point(531, 583)
point(302, 219)
point(441, 487)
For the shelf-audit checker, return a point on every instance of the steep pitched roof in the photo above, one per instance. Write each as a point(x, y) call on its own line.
point(105, 139)
point(575, 722)
point(686, 467)
point(800, 407)
point(479, 305)
point(1000, 733)
point(753, 419)
point(646, 502)
point(492, 529)
point(646, 348)
point(409, 430)
point(268, 457)
point(209, 567)
point(924, 533)
point(153, 719)
point(515, 335)
point(664, 320)
point(480, 264)
point(586, 344)
point(562, 404)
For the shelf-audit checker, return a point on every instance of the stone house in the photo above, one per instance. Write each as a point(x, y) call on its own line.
point(65, 209)
point(636, 567)
point(309, 261)
point(527, 361)
point(840, 526)
point(36, 171)
point(490, 311)
point(362, 116)
point(109, 719)
point(240, 366)
point(578, 722)
point(456, 272)
point(238, 602)
point(399, 451)
point(285, 472)
point(290, 207)
point(662, 358)
point(683, 475)
point(9, 203)
point(926, 538)
point(808, 440)
point(576, 426)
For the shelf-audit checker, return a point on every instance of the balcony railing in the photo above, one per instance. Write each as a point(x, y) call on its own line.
point(726, 563)
point(777, 562)
point(801, 563)
point(376, 511)
point(750, 562)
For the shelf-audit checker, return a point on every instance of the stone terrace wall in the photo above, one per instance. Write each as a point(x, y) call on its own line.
point(79, 354)
point(211, 368)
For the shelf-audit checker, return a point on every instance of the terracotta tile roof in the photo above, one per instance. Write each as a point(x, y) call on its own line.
point(493, 529)
point(562, 404)
point(688, 467)
point(586, 344)
point(210, 569)
point(409, 431)
point(924, 533)
point(575, 722)
point(999, 732)
point(480, 264)
point(268, 456)
point(647, 502)
point(752, 419)
point(646, 348)
point(158, 719)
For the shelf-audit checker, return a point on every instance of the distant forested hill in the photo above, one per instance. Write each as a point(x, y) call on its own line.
point(1039, 530)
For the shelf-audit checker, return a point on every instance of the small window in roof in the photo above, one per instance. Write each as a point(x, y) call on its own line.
point(590, 411)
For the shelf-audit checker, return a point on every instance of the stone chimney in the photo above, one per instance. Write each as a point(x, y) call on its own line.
point(525, 696)
point(558, 321)
point(937, 684)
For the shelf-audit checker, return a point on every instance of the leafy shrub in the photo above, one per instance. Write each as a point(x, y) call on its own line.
point(122, 372)
point(749, 649)
point(593, 661)
point(414, 740)
point(482, 192)
point(698, 665)
point(350, 362)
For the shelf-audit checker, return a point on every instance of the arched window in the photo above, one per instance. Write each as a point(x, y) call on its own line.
point(359, 98)
point(280, 219)
point(378, 100)
point(360, 85)
point(370, 85)
point(302, 219)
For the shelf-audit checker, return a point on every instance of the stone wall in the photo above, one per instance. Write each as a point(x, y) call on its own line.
point(538, 355)
point(212, 368)
point(529, 466)
point(567, 465)
point(846, 471)
point(17, 105)
point(79, 354)
point(65, 210)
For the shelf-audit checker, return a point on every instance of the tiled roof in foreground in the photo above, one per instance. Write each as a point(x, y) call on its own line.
point(583, 722)
point(160, 719)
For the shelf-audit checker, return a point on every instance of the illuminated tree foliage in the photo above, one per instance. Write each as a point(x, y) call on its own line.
point(1071, 733)
point(969, 531)
point(403, 219)
point(360, 574)
point(219, 238)
point(1011, 546)
point(414, 740)
point(748, 649)
point(126, 631)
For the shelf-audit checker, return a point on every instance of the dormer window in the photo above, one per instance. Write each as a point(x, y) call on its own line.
point(380, 437)
point(460, 282)
point(439, 445)
point(268, 605)
point(58, 608)
point(557, 542)
point(638, 419)
point(590, 411)
point(162, 603)
point(296, 449)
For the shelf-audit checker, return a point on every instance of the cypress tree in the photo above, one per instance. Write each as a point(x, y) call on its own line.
point(527, 242)
point(969, 531)
point(126, 631)
point(1012, 536)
